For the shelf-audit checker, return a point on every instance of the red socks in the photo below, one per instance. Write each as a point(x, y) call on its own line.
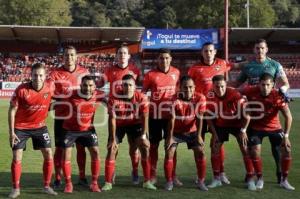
point(16, 170)
point(222, 158)
point(248, 166)
point(174, 164)
point(146, 169)
point(201, 168)
point(168, 166)
point(216, 164)
point(135, 158)
point(47, 172)
point(109, 170)
point(95, 168)
point(153, 159)
point(67, 169)
point(257, 163)
point(58, 162)
point(81, 159)
point(285, 166)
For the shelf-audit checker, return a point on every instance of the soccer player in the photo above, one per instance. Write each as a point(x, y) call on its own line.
point(114, 75)
point(185, 126)
point(128, 114)
point(202, 73)
point(266, 123)
point(26, 119)
point(227, 106)
point(79, 128)
point(252, 70)
point(66, 78)
point(162, 82)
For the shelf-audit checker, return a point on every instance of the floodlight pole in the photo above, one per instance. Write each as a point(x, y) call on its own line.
point(248, 14)
point(226, 29)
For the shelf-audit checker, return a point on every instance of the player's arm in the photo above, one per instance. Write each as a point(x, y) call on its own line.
point(281, 79)
point(112, 126)
point(245, 121)
point(199, 119)
point(13, 138)
point(287, 127)
point(145, 125)
point(170, 129)
point(209, 119)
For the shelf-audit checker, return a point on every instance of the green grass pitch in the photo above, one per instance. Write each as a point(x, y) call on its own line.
point(31, 180)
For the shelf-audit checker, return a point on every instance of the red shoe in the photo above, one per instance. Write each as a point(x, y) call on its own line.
point(94, 187)
point(68, 188)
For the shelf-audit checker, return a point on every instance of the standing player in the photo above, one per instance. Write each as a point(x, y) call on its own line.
point(267, 124)
point(186, 126)
point(66, 78)
point(128, 114)
point(162, 82)
point(227, 106)
point(79, 128)
point(251, 72)
point(202, 73)
point(114, 75)
point(26, 119)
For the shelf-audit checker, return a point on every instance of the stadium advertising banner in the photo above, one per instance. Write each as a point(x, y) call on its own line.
point(9, 85)
point(6, 93)
point(179, 39)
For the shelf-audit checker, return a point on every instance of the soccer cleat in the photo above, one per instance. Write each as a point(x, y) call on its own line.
point(286, 185)
point(202, 186)
point(224, 178)
point(69, 188)
point(57, 184)
point(50, 191)
point(215, 183)
point(260, 183)
point(251, 185)
point(135, 179)
point(177, 182)
point(83, 182)
point(107, 186)
point(149, 185)
point(14, 193)
point(94, 187)
point(169, 186)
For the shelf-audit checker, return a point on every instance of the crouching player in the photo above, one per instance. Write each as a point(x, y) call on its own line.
point(128, 114)
point(227, 106)
point(79, 128)
point(266, 123)
point(26, 119)
point(185, 126)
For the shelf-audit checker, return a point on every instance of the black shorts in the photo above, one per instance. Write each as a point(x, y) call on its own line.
point(85, 138)
point(223, 133)
point(190, 139)
point(256, 137)
point(204, 129)
point(58, 133)
point(132, 131)
point(157, 130)
point(40, 138)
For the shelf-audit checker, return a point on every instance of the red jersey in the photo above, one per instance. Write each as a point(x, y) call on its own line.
point(82, 114)
point(32, 105)
point(65, 83)
point(186, 113)
point(227, 109)
point(272, 104)
point(114, 75)
point(128, 112)
point(163, 87)
point(202, 74)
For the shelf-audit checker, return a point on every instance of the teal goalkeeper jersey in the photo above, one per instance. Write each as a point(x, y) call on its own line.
point(252, 71)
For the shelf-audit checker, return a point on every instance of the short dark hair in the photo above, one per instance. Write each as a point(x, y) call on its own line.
point(258, 41)
point(164, 50)
point(207, 44)
point(69, 48)
point(128, 77)
point(122, 45)
point(266, 76)
point(87, 78)
point(185, 78)
point(217, 78)
point(37, 66)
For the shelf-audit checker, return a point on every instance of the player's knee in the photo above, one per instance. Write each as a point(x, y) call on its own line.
point(94, 152)
point(47, 153)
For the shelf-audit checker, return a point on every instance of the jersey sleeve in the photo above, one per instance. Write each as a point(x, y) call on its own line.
point(279, 71)
point(146, 83)
point(144, 105)
point(14, 101)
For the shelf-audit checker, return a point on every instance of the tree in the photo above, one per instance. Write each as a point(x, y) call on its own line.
point(35, 12)
point(286, 12)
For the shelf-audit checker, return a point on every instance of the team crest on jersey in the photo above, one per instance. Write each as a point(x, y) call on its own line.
point(46, 95)
point(217, 67)
point(173, 76)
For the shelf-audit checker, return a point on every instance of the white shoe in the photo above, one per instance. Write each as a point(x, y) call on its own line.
point(153, 180)
point(14, 193)
point(224, 178)
point(215, 183)
point(202, 186)
point(50, 191)
point(177, 182)
point(251, 185)
point(260, 183)
point(169, 186)
point(285, 184)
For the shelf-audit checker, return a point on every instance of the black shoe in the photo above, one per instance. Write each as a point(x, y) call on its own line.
point(278, 174)
point(83, 182)
point(57, 184)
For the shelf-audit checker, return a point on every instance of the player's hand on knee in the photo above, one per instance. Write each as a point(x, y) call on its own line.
point(169, 142)
point(200, 142)
point(112, 145)
point(286, 144)
point(243, 138)
point(13, 139)
point(143, 141)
